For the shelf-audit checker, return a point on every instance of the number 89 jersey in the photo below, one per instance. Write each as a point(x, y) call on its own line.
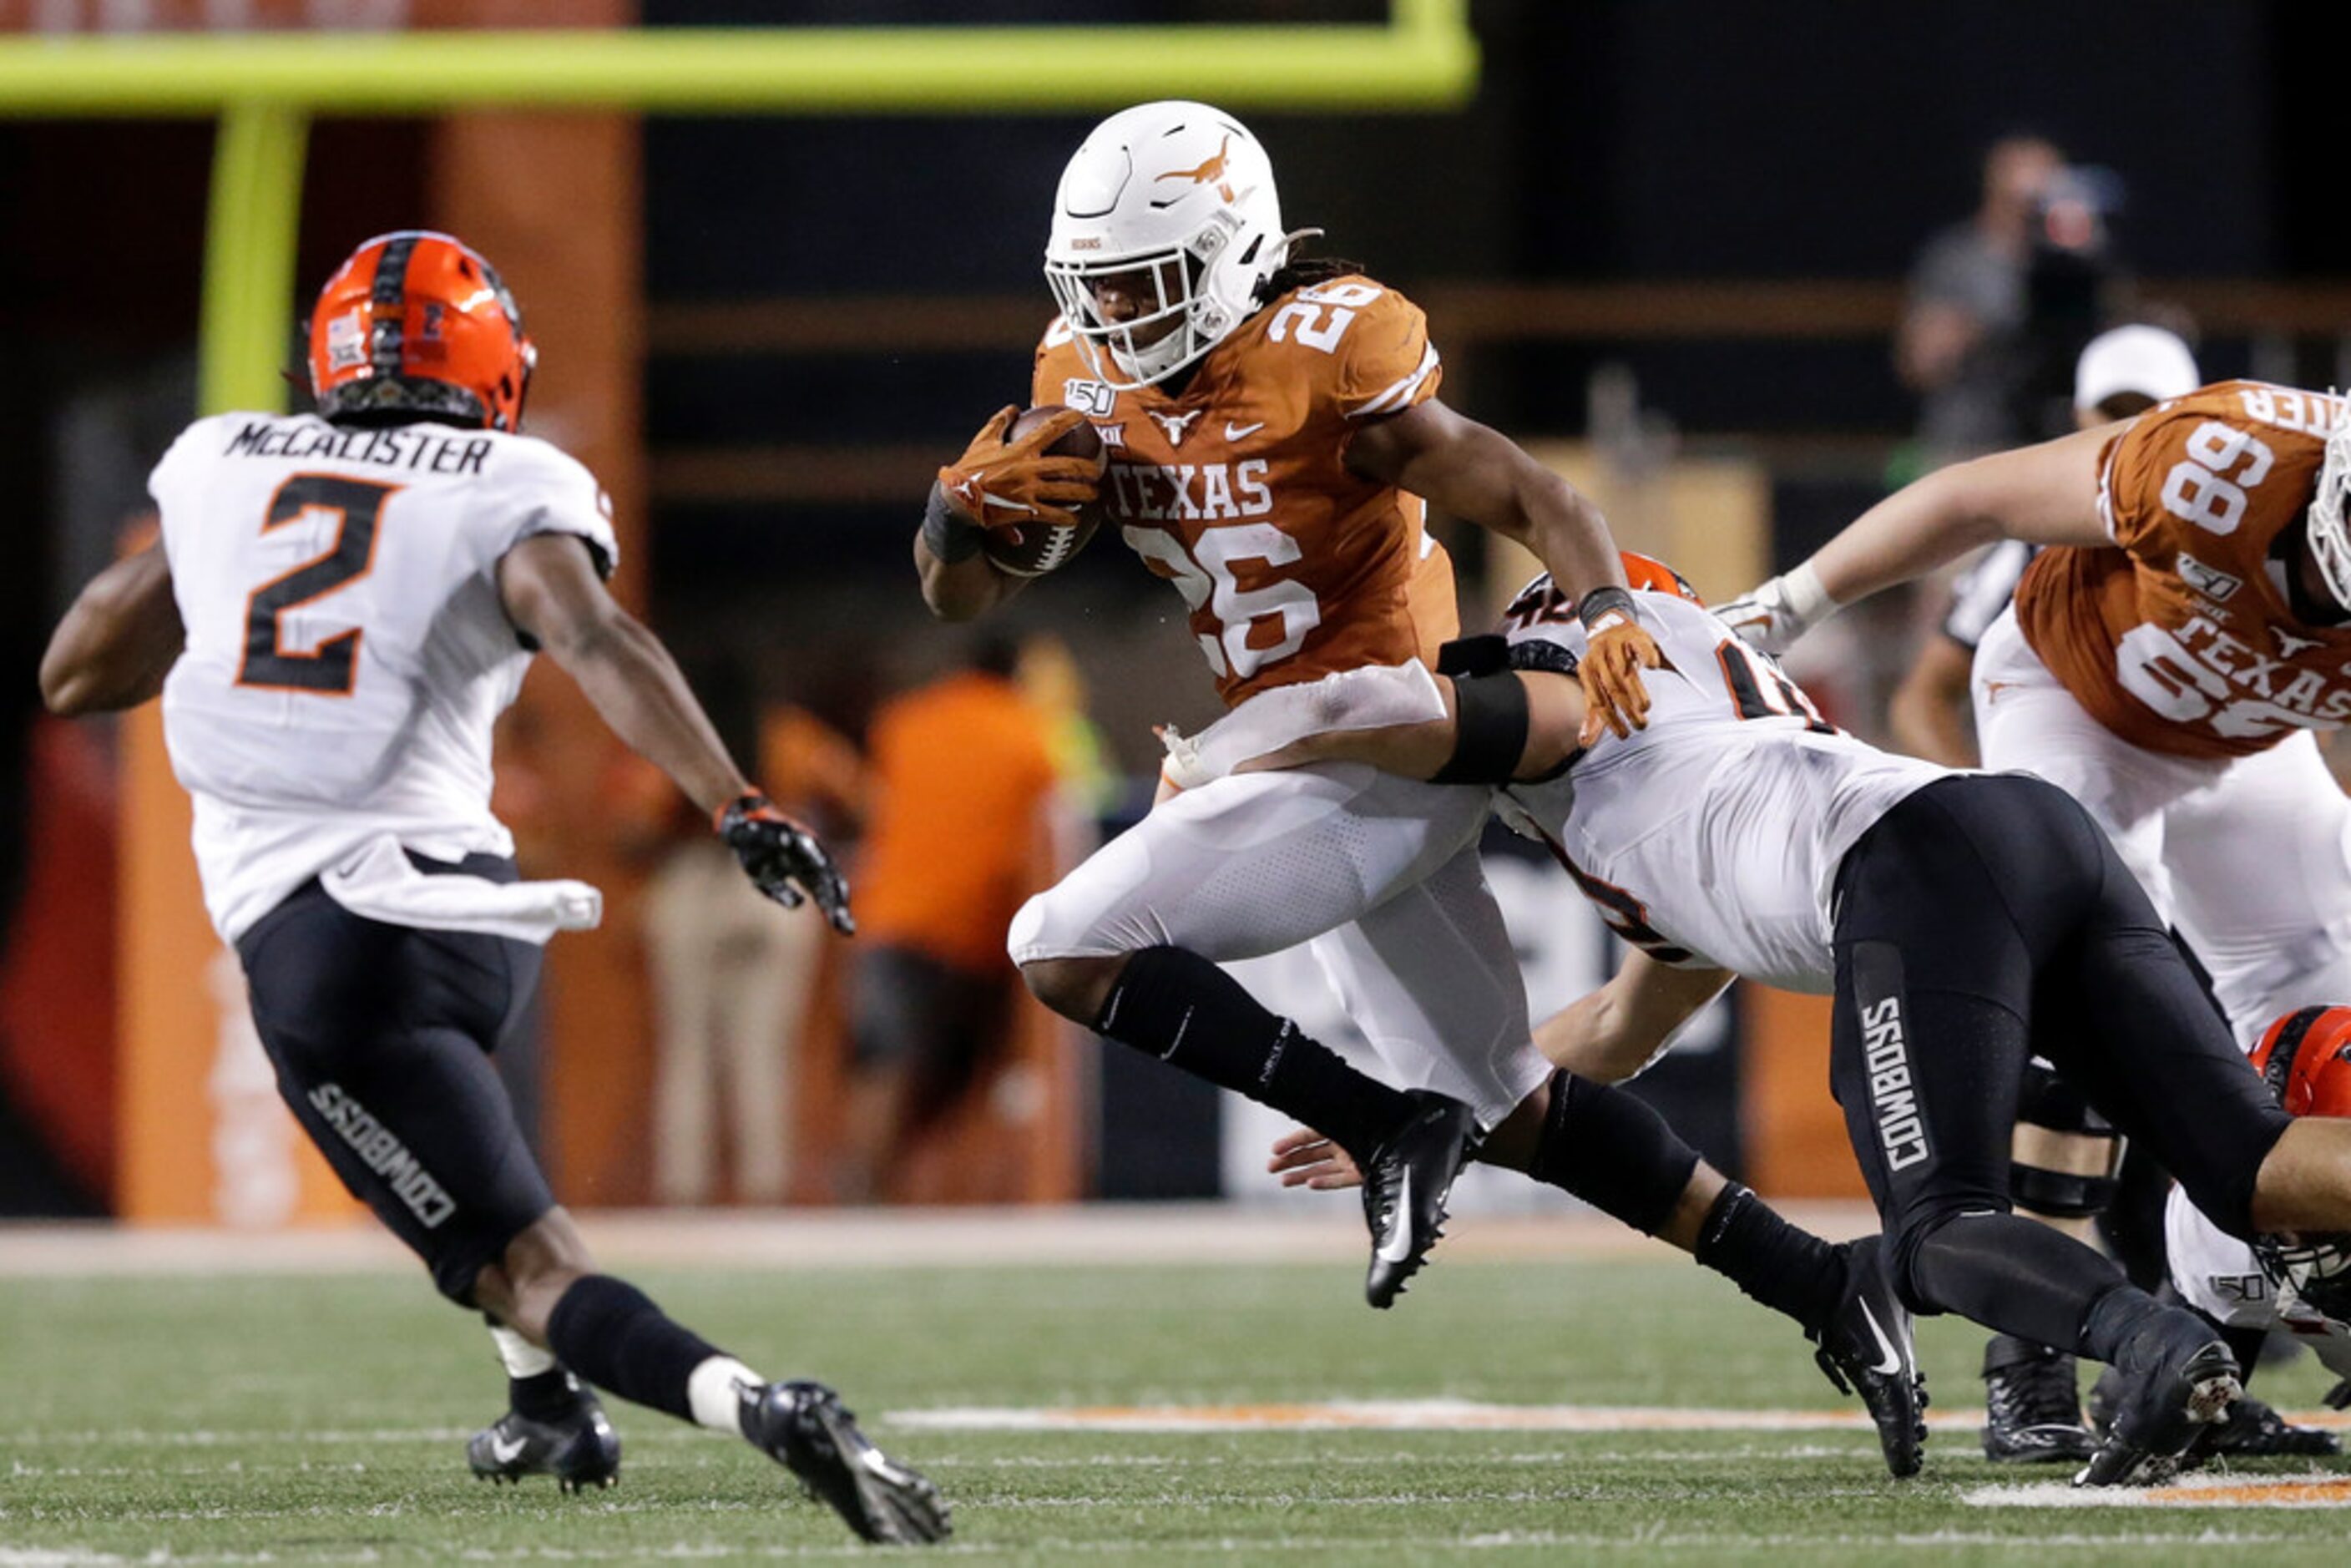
point(1236, 489)
point(1712, 837)
point(347, 650)
point(2185, 639)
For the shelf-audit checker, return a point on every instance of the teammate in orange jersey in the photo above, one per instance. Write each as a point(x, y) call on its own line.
point(1272, 429)
point(2169, 667)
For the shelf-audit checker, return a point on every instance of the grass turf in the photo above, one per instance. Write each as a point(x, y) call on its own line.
point(320, 1419)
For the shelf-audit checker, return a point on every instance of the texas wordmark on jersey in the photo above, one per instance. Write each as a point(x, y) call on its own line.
point(1293, 567)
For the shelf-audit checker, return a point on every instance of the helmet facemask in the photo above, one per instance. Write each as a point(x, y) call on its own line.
point(1185, 284)
point(2330, 537)
point(2316, 1268)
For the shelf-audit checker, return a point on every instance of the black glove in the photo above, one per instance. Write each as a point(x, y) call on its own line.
point(2339, 1396)
point(779, 853)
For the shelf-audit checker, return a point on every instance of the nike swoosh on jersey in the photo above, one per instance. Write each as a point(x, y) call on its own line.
point(1241, 431)
point(1398, 1246)
point(1893, 1361)
point(504, 1450)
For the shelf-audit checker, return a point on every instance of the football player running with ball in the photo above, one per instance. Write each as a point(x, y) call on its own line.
point(1962, 922)
point(1274, 439)
point(341, 606)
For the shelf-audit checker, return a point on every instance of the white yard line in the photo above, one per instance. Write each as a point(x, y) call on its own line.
point(1083, 1235)
point(1430, 1415)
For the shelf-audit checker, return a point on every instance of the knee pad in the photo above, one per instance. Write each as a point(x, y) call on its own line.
point(2045, 1101)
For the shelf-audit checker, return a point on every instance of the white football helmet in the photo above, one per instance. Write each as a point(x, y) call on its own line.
point(2330, 534)
point(1182, 194)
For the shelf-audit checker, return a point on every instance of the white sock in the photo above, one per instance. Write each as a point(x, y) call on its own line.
point(711, 1390)
point(523, 1358)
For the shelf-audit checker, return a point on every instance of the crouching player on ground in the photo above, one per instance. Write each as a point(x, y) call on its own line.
point(341, 607)
point(1964, 922)
point(2300, 1286)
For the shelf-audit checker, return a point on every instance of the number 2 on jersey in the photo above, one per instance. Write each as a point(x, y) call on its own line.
point(328, 668)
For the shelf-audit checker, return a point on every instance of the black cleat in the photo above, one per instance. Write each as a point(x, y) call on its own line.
point(2251, 1430)
point(579, 1451)
point(2032, 1405)
point(1405, 1183)
point(804, 1428)
point(2182, 1380)
point(1864, 1348)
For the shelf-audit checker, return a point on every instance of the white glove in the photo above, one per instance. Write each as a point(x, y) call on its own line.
point(1774, 614)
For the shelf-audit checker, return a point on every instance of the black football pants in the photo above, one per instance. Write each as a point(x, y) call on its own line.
point(1984, 920)
point(381, 1037)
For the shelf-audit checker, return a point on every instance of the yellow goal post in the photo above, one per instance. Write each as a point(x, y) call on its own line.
point(265, 87)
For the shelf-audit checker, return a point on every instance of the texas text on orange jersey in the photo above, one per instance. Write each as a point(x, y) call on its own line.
point(2184, 641)
point(1236, 489)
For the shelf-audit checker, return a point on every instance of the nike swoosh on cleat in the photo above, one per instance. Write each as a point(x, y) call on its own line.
point(1398, 1246)
point(504, 1450)
point(1893, 1361)
point(1241, 431)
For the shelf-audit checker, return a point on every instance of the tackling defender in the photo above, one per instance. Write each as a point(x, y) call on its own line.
point(1274, 439)
point(339, 607)
point(1963, 922)
point(2164, 664)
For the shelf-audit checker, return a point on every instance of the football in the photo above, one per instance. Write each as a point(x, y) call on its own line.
point(1032, 549)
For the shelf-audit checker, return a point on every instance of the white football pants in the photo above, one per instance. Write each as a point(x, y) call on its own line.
point(2247, 856)
point(1378, 875)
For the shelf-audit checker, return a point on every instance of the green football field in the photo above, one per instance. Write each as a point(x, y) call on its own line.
point(319, 1418)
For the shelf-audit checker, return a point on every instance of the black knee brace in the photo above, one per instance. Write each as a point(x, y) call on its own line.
point(2046, 1101)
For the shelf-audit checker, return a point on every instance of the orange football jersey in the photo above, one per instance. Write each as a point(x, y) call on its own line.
point(2183, 639)
point(1235, 487)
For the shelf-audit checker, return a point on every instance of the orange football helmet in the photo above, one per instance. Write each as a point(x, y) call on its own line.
point(1645, 571)
point(416, 324)
point(2305, 1059)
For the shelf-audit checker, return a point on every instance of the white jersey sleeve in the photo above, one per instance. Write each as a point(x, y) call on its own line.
point(2219, 1276)
point(347, 649)
point(1712, 837)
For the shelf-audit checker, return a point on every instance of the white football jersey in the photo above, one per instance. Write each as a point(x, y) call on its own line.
point(347, 649)
point(1712, 837)
point(2219, 1277)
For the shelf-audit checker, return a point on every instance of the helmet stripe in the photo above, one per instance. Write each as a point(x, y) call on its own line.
point(390, 285)
point(387, 340)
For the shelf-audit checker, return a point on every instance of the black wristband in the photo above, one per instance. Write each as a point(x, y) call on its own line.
point(1603, 601)
point(951, 535)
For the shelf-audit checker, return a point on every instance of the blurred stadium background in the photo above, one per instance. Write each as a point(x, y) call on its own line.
point(1663, 242)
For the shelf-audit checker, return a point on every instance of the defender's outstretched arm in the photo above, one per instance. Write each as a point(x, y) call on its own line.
point(552, 592)
point(1556, 712)
point(1610, 1034)
point(115, 644)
